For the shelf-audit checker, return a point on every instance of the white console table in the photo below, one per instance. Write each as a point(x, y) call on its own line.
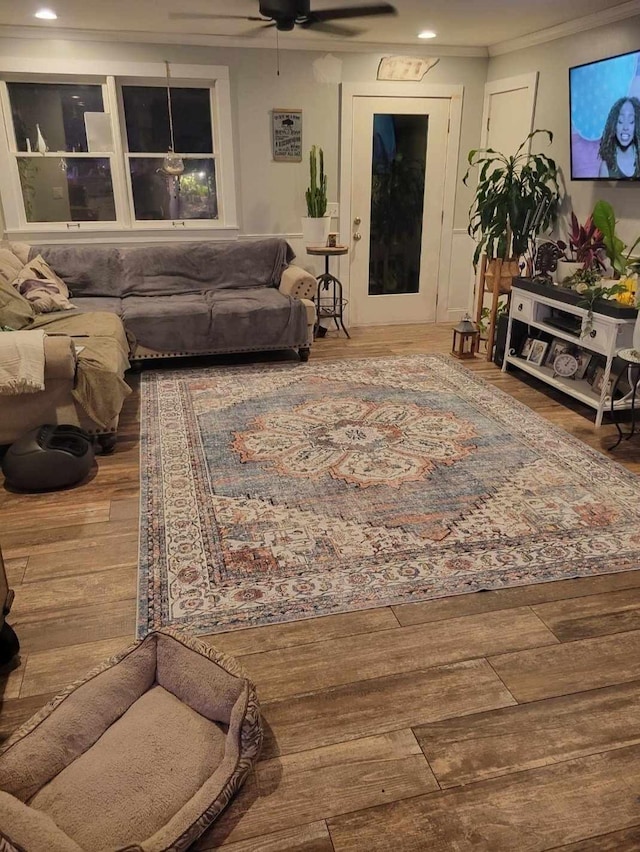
point(538, 309)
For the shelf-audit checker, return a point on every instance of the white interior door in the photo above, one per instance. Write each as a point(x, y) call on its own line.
point(398, 166)
point(509, 105)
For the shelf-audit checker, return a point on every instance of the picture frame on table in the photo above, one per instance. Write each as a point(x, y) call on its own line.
point(584, 359)
point(537, 352)
point(526, 347)
point(598, 381)
point(557, 347)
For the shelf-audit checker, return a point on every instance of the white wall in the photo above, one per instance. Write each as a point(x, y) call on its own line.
point(271, 195)
point(552, 61)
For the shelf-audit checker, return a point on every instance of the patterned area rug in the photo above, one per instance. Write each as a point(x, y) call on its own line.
point(279, 492)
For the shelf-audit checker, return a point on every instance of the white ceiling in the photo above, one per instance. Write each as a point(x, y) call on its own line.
point(466, 24)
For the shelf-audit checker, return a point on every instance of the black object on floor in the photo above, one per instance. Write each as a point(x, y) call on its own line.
point(9, 645)
point(47, 458)
point(518, 335)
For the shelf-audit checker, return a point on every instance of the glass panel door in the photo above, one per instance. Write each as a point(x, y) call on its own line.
point(398, 165)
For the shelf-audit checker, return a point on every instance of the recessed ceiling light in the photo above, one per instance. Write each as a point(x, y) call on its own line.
point(46, 14)
point(427, 34)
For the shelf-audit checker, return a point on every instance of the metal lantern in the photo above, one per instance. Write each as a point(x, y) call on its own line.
point(466, 337)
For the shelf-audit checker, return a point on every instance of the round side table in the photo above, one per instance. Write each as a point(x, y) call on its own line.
point(331, 305)
point(632, 357)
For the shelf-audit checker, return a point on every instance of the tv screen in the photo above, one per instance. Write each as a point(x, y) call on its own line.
point(605, 119)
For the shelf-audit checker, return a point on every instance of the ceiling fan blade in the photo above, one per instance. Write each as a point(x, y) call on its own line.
point(195, 16)
point(348, 12)
point(332, 29)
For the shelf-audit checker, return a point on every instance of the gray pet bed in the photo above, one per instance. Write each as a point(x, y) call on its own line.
point(142, 754)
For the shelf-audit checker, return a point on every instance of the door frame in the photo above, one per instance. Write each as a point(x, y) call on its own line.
point(453, 93)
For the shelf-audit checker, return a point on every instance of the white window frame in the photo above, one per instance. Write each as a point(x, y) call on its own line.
point(163, 224)
point(13, 154)
point(112, 75)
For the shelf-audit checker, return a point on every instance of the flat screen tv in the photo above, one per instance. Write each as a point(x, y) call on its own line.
point(605, 119)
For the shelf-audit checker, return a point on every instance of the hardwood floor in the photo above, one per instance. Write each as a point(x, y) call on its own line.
point(502, 721)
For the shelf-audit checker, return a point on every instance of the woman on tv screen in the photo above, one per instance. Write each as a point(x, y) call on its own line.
point(605, 118)
point(620, 141)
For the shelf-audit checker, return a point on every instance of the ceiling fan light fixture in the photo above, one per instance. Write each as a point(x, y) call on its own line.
point(284, 15)
point(46, 15)
point(427, 34)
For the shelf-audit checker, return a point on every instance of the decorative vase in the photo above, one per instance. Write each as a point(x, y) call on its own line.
point(41, 145)
point(566, 269)
point(315, 231)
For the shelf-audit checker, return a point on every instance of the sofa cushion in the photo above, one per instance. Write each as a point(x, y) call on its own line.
point(38, 283)
point(15, 311)
point(256, 319)
point(169, 323)
point(197, 267)
point(87, 304)
point(158, 737)
point(86, 270)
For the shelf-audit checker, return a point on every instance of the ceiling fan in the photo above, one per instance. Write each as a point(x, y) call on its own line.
point(284, 15)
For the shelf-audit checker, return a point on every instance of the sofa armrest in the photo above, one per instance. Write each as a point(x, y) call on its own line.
point(310, 308)
point(298, 283)
point(59, 357)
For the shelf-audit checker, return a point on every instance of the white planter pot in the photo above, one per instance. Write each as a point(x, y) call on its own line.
point(636, 334)
point(315, 231)
point(566, 268)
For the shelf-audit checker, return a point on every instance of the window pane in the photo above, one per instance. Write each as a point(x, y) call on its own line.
point(193, 195)
point(67, 189)
point(146, 110)
point(58, 109)
point(397, 203)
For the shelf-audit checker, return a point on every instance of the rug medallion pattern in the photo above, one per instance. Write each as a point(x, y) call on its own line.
point(277, 492)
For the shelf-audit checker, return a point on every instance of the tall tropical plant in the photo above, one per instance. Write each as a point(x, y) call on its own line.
point(516, 199)
point(618, 252)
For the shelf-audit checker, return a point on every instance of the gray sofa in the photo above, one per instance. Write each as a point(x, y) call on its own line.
point(194, 298)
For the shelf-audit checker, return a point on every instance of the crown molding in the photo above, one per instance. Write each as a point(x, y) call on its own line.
point(630, 9)
point(258, 42)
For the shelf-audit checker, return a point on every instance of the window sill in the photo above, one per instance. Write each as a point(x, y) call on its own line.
point(123, 236)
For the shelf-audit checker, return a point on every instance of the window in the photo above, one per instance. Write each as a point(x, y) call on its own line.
point(155, 195)
point(62, 157)
point(86, 153)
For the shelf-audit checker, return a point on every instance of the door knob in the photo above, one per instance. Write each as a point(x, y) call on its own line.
point(357, 236)
point(357, 220)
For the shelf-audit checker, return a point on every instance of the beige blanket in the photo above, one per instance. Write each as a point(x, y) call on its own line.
point(21, 361)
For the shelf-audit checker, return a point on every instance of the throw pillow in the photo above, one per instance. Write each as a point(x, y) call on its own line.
point(38, 283)
point(15, 311)
point(10, 265)
point(21, 251)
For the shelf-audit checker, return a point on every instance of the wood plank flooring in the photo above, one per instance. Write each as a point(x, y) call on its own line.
point(504, 721)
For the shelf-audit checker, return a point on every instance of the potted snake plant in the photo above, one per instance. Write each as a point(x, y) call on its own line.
point(516, 199)
point(316, 224)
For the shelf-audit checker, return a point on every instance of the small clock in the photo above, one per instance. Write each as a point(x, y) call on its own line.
point(565, 365)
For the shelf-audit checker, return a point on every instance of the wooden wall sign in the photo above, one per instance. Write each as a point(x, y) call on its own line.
point(286, 134)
